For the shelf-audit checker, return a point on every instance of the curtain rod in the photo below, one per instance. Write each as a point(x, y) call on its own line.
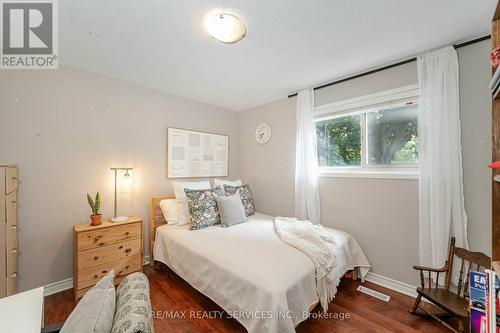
point(379, 69)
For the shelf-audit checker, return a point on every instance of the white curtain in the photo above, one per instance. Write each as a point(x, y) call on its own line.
point(307, 202)
point(442, 210)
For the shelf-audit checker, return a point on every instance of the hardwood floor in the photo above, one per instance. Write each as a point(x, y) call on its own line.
point(366, 314)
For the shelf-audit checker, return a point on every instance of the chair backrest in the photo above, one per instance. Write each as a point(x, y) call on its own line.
point(468, 260)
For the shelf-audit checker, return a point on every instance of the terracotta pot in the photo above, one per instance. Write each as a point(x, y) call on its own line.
point(95, 219)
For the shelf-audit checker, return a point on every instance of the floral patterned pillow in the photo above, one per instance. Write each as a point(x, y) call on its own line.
point(246, 197)
point(203, 208)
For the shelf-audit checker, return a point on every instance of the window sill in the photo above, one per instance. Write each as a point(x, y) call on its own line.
point(366, 173)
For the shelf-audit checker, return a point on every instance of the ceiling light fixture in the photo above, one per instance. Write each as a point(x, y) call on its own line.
point(225, 27)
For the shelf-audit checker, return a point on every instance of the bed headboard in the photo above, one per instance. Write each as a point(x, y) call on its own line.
point(156, 219)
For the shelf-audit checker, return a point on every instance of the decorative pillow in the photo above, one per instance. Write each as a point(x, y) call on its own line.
point(180, 196)
point(169, 208)
point(203, 207)
point(231, 210)
point(133, 306)
point(246, 197)
point(95, 311)
point(221, 183)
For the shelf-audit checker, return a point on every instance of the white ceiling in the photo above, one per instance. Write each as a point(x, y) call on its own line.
point(289, 45)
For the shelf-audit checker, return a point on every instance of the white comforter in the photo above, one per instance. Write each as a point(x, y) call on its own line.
point(267, 285)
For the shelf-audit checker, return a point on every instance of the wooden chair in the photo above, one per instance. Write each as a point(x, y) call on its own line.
point(452, 299)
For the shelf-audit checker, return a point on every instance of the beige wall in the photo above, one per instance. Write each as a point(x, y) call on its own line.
point(270, 168)
point(475, 112)
point(381, 214)
point(66, 128)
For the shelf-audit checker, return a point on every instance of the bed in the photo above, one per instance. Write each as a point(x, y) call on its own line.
point(265, 284)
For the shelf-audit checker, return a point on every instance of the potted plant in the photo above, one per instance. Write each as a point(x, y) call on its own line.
point(95, 205)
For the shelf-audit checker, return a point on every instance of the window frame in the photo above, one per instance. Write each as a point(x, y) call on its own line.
point(362, 105)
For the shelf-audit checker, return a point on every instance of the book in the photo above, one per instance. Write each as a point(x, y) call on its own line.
point(490, 301)
point(494, 88)
point(495, 79)
point(496, 295)
point(478, 286)
point(484, 295)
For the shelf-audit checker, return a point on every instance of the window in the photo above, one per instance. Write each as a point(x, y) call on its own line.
point(339, 141)
point(392, 135)
point(376, 134)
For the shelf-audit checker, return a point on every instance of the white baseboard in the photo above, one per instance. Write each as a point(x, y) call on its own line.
point(400, 287)
point(56, 287)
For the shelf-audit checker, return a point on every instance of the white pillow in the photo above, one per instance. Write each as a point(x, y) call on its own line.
point(222, 182)
point(180, 197)
point(170, 210)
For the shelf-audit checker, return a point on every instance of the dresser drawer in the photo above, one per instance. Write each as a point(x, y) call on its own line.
point(81, 292)
point(11, 209)
point(11, 240)
point(94, 257)
point(11, 250)
point(106, 236)
point(10, 179)
point(90, 276)
point(12, 261)
point(12, 280)
point(2, 209)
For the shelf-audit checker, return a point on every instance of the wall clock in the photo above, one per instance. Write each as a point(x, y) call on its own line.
point(263, 133)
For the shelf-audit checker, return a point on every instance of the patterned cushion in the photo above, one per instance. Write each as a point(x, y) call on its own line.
point(203, 208)
point(133, 307)
point(246, 197)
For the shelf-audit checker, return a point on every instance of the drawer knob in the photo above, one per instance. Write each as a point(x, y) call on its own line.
point(128, 250)
point(14, 178)
point(127, 233)
point(14, 251)
point(96, 257)
point(14, 275)
point(127, 267)
point(14, 227)
point(121, 247)
point(14, 203)
point(96, 276)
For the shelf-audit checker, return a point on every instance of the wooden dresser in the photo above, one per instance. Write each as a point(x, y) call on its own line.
point(99, 249)
point(8, 231)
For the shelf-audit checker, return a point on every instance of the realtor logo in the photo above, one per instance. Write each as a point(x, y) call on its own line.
point(29, 34)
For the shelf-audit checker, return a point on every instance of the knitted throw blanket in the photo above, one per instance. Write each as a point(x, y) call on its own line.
point(318, 244)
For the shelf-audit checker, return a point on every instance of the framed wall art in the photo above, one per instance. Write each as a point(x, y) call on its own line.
point(192, 154)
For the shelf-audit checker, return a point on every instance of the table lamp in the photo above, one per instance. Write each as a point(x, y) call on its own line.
point(126, 175)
